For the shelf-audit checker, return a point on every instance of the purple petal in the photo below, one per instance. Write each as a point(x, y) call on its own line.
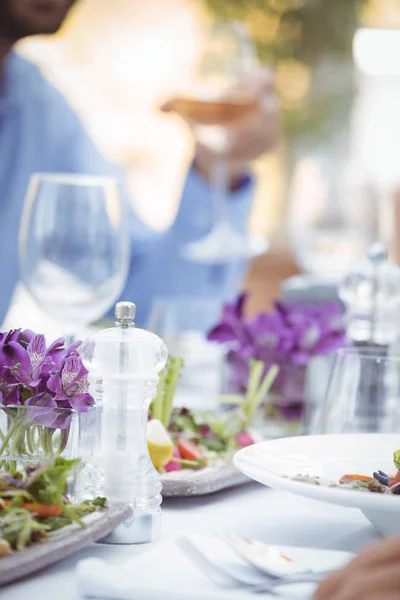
point(56, 346)
point(310, 337)
point(26, 336)
point(37, 352)
point(13, 354)
point(42, 400)
point(71, 372)
point(72, 349)
point(13, 397)
point(54, 383)
point(81, 402)
point(223, 332)
point(239, 305)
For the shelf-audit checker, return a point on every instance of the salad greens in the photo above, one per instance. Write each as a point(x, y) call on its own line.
point(201, 438)
point(34, 502)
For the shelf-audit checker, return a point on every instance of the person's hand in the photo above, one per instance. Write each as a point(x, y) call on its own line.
point(373, 575)
point(249, 137)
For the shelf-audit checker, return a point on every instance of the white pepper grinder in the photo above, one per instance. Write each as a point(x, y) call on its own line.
point(123, 364)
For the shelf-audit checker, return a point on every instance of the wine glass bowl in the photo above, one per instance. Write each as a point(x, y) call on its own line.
point(74, 246)
point(327, 233)
point(213, 101)
point(183, 324)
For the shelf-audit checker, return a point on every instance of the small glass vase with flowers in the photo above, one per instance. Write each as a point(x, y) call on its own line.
point(45, 405)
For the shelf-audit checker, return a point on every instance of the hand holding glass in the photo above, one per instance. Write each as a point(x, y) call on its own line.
point(214, 101)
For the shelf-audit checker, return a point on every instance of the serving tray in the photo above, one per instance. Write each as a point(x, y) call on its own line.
point(63, 543)
point(211, 479)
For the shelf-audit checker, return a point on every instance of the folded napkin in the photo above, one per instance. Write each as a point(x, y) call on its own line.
point(166, 573)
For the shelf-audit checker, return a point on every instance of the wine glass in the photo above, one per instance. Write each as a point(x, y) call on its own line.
point(215, 100)
point(331, 217)
point(363, 393)
point(183, 324)
point(74, 246)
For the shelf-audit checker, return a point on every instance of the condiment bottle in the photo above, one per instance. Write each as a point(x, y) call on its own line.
point(123, 364)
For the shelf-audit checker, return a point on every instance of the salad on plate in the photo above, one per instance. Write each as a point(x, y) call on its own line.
point(379, 483)
point(34, 504)
point(179, 438)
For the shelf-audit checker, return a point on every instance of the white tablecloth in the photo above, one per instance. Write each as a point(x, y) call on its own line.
point(252, 510)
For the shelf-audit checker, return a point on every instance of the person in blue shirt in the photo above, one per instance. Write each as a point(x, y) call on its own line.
point(39, 132)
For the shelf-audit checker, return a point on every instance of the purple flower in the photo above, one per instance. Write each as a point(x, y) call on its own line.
point(272, 338)
point(13, 356)
point(29, 372)
point(70, 384)
point(290, 335)
point(232, 326)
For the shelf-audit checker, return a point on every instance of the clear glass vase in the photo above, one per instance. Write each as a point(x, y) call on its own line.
point(31, 434)
point(282, 411)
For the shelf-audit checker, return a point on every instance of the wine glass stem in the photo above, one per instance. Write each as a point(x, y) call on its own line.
point(220, 191)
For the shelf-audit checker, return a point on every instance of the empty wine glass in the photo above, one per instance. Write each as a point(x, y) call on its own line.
point(211, 103)
point(74, 246)
point(363, 393)
point(331, 220)
point(183, 324)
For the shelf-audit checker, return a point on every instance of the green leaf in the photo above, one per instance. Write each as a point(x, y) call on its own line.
point(24, 534)
point(49, 484)
point(100, 502)
point(396, 459)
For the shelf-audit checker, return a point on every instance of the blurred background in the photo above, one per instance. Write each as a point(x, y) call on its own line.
point(330, 187)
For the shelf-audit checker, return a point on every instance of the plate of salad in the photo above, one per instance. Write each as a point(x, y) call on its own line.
point(39, 525)
point(354, 470)
point(193, 450)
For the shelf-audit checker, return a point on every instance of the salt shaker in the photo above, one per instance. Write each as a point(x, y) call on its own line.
point(123, 364)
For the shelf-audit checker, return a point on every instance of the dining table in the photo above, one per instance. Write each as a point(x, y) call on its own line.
point(251, 509)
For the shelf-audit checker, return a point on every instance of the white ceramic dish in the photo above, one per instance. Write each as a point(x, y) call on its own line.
point(273, 463)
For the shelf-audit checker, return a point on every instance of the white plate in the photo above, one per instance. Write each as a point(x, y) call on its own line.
point(273, 463)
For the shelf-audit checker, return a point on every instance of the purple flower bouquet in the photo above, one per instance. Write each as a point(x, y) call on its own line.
point(43, 390)
point(289, 336)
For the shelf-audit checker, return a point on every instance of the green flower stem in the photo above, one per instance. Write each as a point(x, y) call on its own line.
point(257, 390)
point(63, 440)
point(8, 436)
point(30, 436)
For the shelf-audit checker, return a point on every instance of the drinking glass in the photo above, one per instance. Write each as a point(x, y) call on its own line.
point(183, 324)
point(215, 100)
point(74, 246)
point(363, 393)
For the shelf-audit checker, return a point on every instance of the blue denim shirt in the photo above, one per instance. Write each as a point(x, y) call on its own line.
point(39, 132)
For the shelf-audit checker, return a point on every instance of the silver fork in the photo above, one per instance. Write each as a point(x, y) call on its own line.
point(224, 579)
point(250, 550)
